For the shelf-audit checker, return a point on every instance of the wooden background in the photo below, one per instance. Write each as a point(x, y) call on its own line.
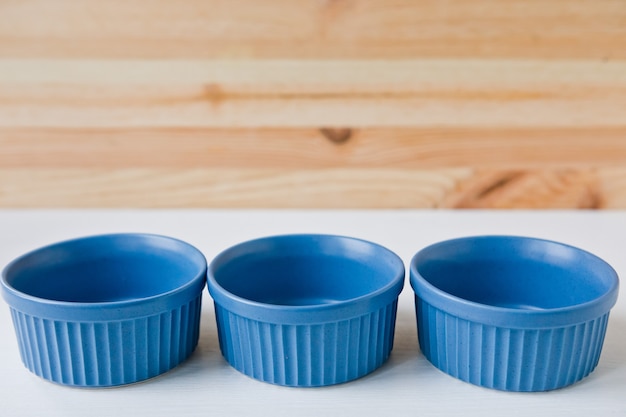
point(313, 103)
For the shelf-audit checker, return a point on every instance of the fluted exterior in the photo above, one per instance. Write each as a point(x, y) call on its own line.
point(509, 359)
point(307, 355)
point(110, 352)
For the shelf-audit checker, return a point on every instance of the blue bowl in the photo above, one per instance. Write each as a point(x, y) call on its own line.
point(306, 310)
point(106, 310)
point(512, 313)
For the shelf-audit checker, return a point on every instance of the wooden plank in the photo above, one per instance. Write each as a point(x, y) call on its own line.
point(508, 189)
point(313, 29)
point(327, 188)
point(338, 188)
point(309, 148)
point(442, 93)
point(612, 183)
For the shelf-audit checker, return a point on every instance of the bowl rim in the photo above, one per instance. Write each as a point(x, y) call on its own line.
point(306, 314)
point(508, 317)
point(106, 310)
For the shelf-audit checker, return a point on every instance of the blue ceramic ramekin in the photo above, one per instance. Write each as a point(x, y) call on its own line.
point(306, 310)
point(106, 310)
point(512, 313)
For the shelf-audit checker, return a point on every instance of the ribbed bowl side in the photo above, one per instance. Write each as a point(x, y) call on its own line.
point(307, 355)
point(509, 359)
point(98, 354)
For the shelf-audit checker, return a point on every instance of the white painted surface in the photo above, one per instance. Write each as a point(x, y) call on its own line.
point(406, 385)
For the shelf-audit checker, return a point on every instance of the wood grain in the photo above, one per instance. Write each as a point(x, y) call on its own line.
point(313, 29)
point(327, 188)
point(313, 103)
point(534, 189)
point(612, 186)
point(338, 188)
point(320, 93)
point(307, 148)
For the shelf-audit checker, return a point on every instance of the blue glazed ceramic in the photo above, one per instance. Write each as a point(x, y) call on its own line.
point(512, 313)
point(306, 310)
point(106, 310)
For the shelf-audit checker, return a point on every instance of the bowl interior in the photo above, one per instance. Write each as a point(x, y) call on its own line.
point(105, 269)
point(515, 272)
point(300, 271)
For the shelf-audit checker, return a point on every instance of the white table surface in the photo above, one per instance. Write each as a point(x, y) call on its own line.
point(406, 385)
